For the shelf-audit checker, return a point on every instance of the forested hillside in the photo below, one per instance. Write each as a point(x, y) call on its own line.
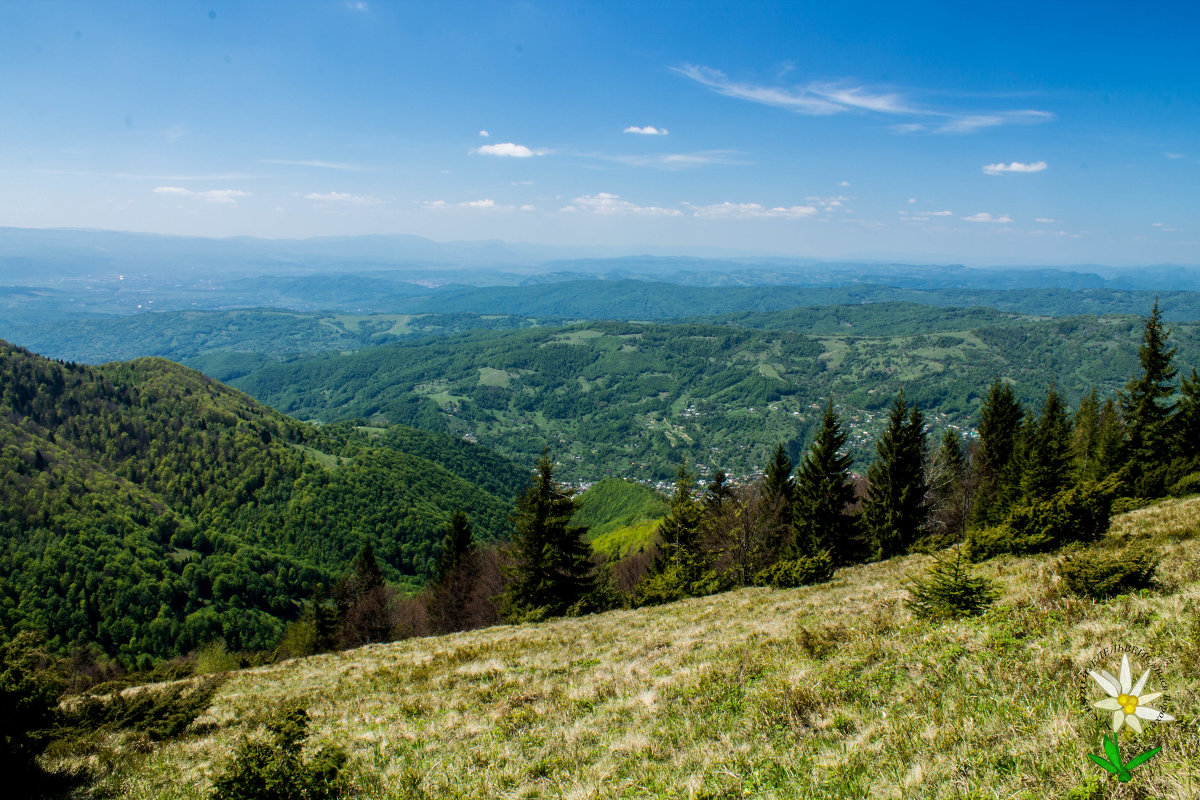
point(146, 510)
point(628, 399)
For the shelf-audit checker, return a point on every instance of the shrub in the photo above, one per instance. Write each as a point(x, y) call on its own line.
point(802, 571)
point(29, 693)
point(275, 770)
point(161, 714)
point(949, 589)
point(1100, 573)
point(1081, 513)
point(1188, 484)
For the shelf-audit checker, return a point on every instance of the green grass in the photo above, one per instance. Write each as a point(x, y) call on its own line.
point(830, 691)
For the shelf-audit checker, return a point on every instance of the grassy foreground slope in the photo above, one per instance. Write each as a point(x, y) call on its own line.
point(829, 691)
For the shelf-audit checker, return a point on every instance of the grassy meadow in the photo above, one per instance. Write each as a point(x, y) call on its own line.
point(830, 691)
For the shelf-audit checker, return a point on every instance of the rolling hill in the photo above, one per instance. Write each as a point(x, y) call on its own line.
point(147, 509)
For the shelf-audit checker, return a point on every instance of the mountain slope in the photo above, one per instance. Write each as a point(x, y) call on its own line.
point(146, 509)
point(830, 691)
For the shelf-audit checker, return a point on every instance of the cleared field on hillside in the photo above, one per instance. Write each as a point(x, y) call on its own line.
point(829, 691)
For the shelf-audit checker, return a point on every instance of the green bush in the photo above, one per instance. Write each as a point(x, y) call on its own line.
point(1078, 514)
point(276, 770)
point(161, 714)
point(1188, 484)
point(949, 589)
point(29, 692)
point(1100, 573)
point(802, 571)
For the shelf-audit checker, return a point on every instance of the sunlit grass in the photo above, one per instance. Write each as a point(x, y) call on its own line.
point(827, 691)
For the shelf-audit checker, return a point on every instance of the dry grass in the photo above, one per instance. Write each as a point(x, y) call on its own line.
point(827, 691)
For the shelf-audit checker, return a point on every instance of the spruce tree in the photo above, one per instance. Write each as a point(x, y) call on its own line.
point(1047, 454)
point(999, 438)
point(551, 566)
point(681, 566)
point(949, 495)
point(773, 510)
point(894, 512)
point(1145, 405)
point(1187, 418)
point(718, 492)
point(458, 543)
point(1086, 437)
point(823, 491)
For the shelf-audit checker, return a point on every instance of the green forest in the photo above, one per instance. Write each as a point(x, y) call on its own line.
point(627, 400)
point(148, 510)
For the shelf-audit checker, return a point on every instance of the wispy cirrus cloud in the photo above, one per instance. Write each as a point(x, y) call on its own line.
point(221, 196)
point(609, 204)
point(484, 204)
point(507, 150)
point(647, 130)
point(338, 165)
point(674, 161)
point(729, 210)
point(839, 97)
point(1014, 167)
point(984, 216)
point(343, 198)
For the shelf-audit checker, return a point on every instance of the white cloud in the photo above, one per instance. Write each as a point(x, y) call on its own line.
point(729, 210)
point(507, 150)
point(984, 216)
point(838, 97)
point(941, 213)
point(1173, 156)
point(1016, 166)
point(648, 130)
point(485, 134)
point(312, 163)
point(1044, 220)
point(484, 204)
point(1164, 228)
point(843, 183)
point(221, 196)
point(611, 204)
point(342, 197)
point(675, 161)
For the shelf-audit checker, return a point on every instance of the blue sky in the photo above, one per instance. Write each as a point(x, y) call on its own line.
point(1039, 133)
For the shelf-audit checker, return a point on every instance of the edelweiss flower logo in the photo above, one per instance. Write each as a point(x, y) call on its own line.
point(1126, 700)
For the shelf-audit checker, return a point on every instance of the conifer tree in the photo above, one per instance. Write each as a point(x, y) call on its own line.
point(681, 566)
point(718, 492)
point(552, 568)
point(895, 512)
point(1047, 454)
point(1144, 404)
point(1086, 437)
point(773, 510)
point(1187, 418)
point(1000, 421)
point(778, 484)
point(949, 494)
point(823, 490)
point(458, 543)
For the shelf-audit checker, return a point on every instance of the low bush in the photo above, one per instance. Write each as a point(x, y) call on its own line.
point(276, 769)
point(802, 571)
point(1079, 514)
point(1100, 573)
point(949, 588)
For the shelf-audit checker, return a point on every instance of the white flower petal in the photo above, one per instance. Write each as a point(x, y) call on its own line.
point(1108, 704)
point(1141, 684)
point(1107, 682)
point(1126, 675)
point(1146, 699)
point(1132, 722)
point(1153, 714)
point(1118, 720)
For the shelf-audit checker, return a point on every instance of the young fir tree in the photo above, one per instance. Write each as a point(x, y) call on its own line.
point(1086, 436)
point(773, 509)
point(895, 512)
point(823, 491)
point(681, 567)
point(1047, 454)
point(551, 568)
point(1145, 405)
point(999, 436)
point(718, 492)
